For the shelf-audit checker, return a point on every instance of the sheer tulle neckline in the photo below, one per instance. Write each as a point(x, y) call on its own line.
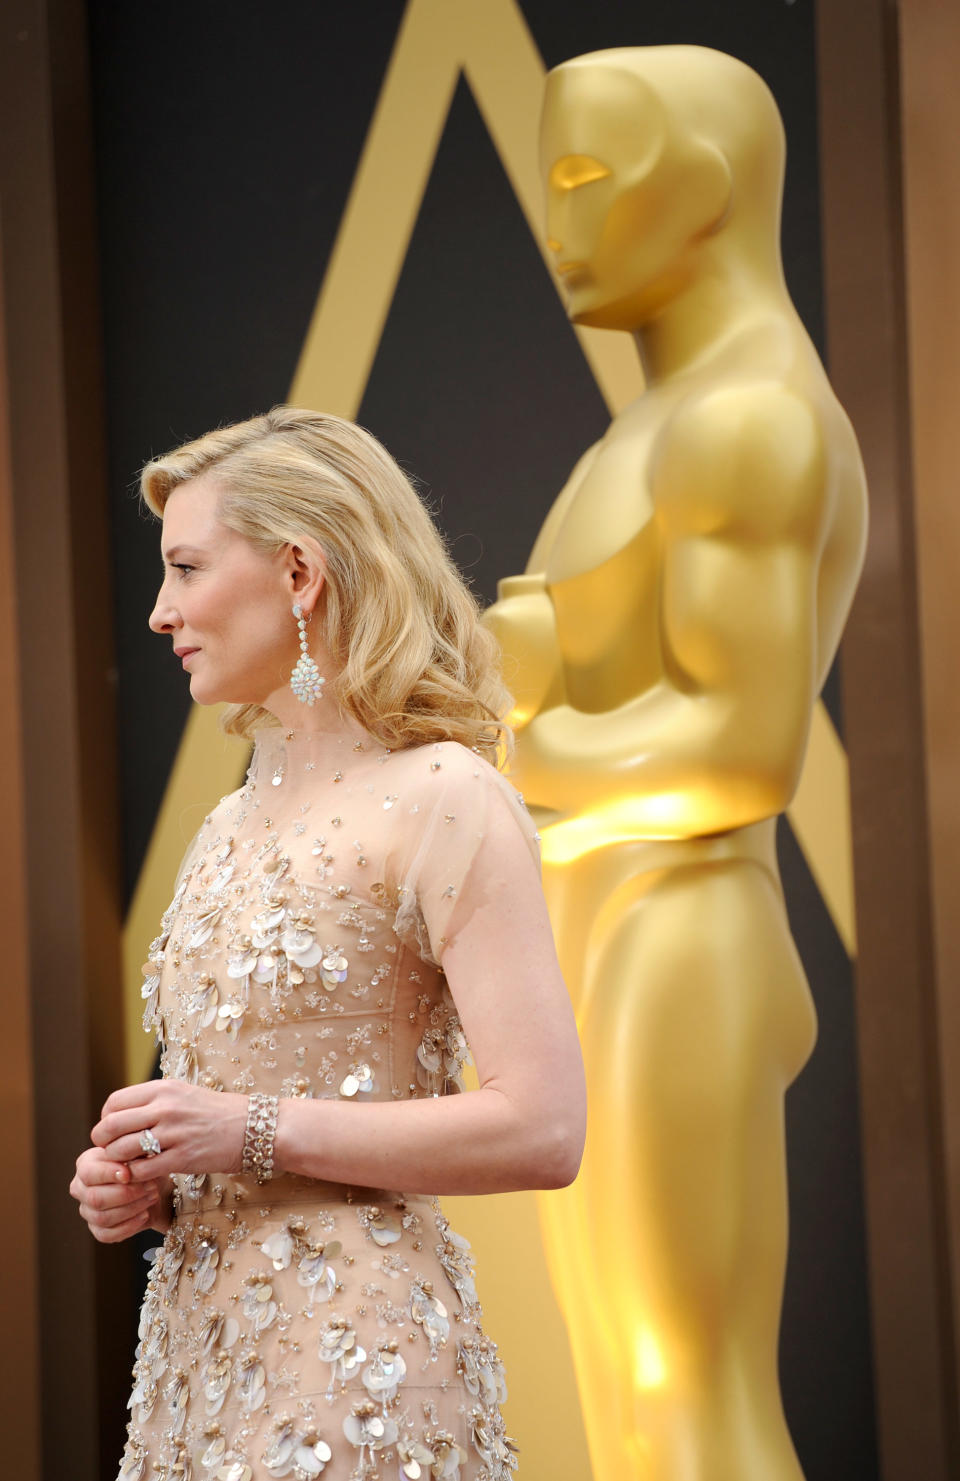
point(285, 753)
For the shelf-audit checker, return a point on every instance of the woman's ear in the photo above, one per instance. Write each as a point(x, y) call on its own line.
point(306, 572)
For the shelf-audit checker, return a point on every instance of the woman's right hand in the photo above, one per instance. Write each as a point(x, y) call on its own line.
point(114, 1206)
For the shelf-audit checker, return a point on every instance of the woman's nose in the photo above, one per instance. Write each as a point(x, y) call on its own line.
point(164, 617)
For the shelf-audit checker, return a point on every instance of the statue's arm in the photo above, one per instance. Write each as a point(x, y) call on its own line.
point(740, 498)
point(522, 618)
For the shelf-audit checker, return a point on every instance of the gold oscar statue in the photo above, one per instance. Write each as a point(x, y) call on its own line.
point(681, 609)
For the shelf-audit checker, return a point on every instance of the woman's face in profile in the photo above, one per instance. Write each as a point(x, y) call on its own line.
point(224, 603)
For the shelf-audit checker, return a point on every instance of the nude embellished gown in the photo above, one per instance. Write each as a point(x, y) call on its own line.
point(303, 1328)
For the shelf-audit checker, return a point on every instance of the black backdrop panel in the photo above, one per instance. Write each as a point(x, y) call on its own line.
point(227, 139)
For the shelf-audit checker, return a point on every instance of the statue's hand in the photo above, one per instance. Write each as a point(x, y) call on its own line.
point(522, 621)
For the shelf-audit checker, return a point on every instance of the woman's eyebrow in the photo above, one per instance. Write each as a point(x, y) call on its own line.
point(175, 550)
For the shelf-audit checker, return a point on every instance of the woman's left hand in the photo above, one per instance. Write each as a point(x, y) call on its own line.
point(197, 1130)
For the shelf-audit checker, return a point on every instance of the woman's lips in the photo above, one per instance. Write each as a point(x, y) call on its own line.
point(185, 654)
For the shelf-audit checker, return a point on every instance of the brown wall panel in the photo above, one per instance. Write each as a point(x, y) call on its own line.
point(62, 701)
point(898, 1009)
point(930, 109)
point(19, 1364)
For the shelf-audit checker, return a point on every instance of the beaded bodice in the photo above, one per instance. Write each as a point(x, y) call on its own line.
point(301, 953)
point(300, 1327)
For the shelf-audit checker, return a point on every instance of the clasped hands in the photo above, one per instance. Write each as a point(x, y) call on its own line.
point(120, 1190)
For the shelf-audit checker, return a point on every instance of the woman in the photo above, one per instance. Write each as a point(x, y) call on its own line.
point(366, 903)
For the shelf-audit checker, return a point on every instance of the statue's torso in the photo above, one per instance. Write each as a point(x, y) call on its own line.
point(603, 554)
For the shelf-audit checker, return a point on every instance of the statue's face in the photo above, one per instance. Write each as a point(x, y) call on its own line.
point(629, 195)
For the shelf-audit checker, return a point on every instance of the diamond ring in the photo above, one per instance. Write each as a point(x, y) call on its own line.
point(149, 1144)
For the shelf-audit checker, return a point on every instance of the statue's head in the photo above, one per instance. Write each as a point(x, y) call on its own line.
point(649, 153)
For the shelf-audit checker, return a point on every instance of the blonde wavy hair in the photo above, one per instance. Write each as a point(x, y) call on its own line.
point(396, 616)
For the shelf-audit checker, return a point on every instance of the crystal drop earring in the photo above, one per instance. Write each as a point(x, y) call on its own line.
point(306, 681)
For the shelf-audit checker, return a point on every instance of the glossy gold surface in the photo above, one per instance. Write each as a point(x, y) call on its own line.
point(679, 614)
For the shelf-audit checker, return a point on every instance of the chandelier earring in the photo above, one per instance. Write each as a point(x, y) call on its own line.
point(306, 681)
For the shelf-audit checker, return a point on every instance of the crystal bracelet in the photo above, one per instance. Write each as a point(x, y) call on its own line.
point(258, 1137)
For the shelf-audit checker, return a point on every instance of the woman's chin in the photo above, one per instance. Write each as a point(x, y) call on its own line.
point(204, 694)
point(217, 694)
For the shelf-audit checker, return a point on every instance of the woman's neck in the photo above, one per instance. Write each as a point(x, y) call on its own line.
point(290, 762)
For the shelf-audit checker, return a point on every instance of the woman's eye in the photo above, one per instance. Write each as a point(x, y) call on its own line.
point(184, 570)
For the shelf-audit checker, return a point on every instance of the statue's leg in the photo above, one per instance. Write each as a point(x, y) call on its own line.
point(668, 1253)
